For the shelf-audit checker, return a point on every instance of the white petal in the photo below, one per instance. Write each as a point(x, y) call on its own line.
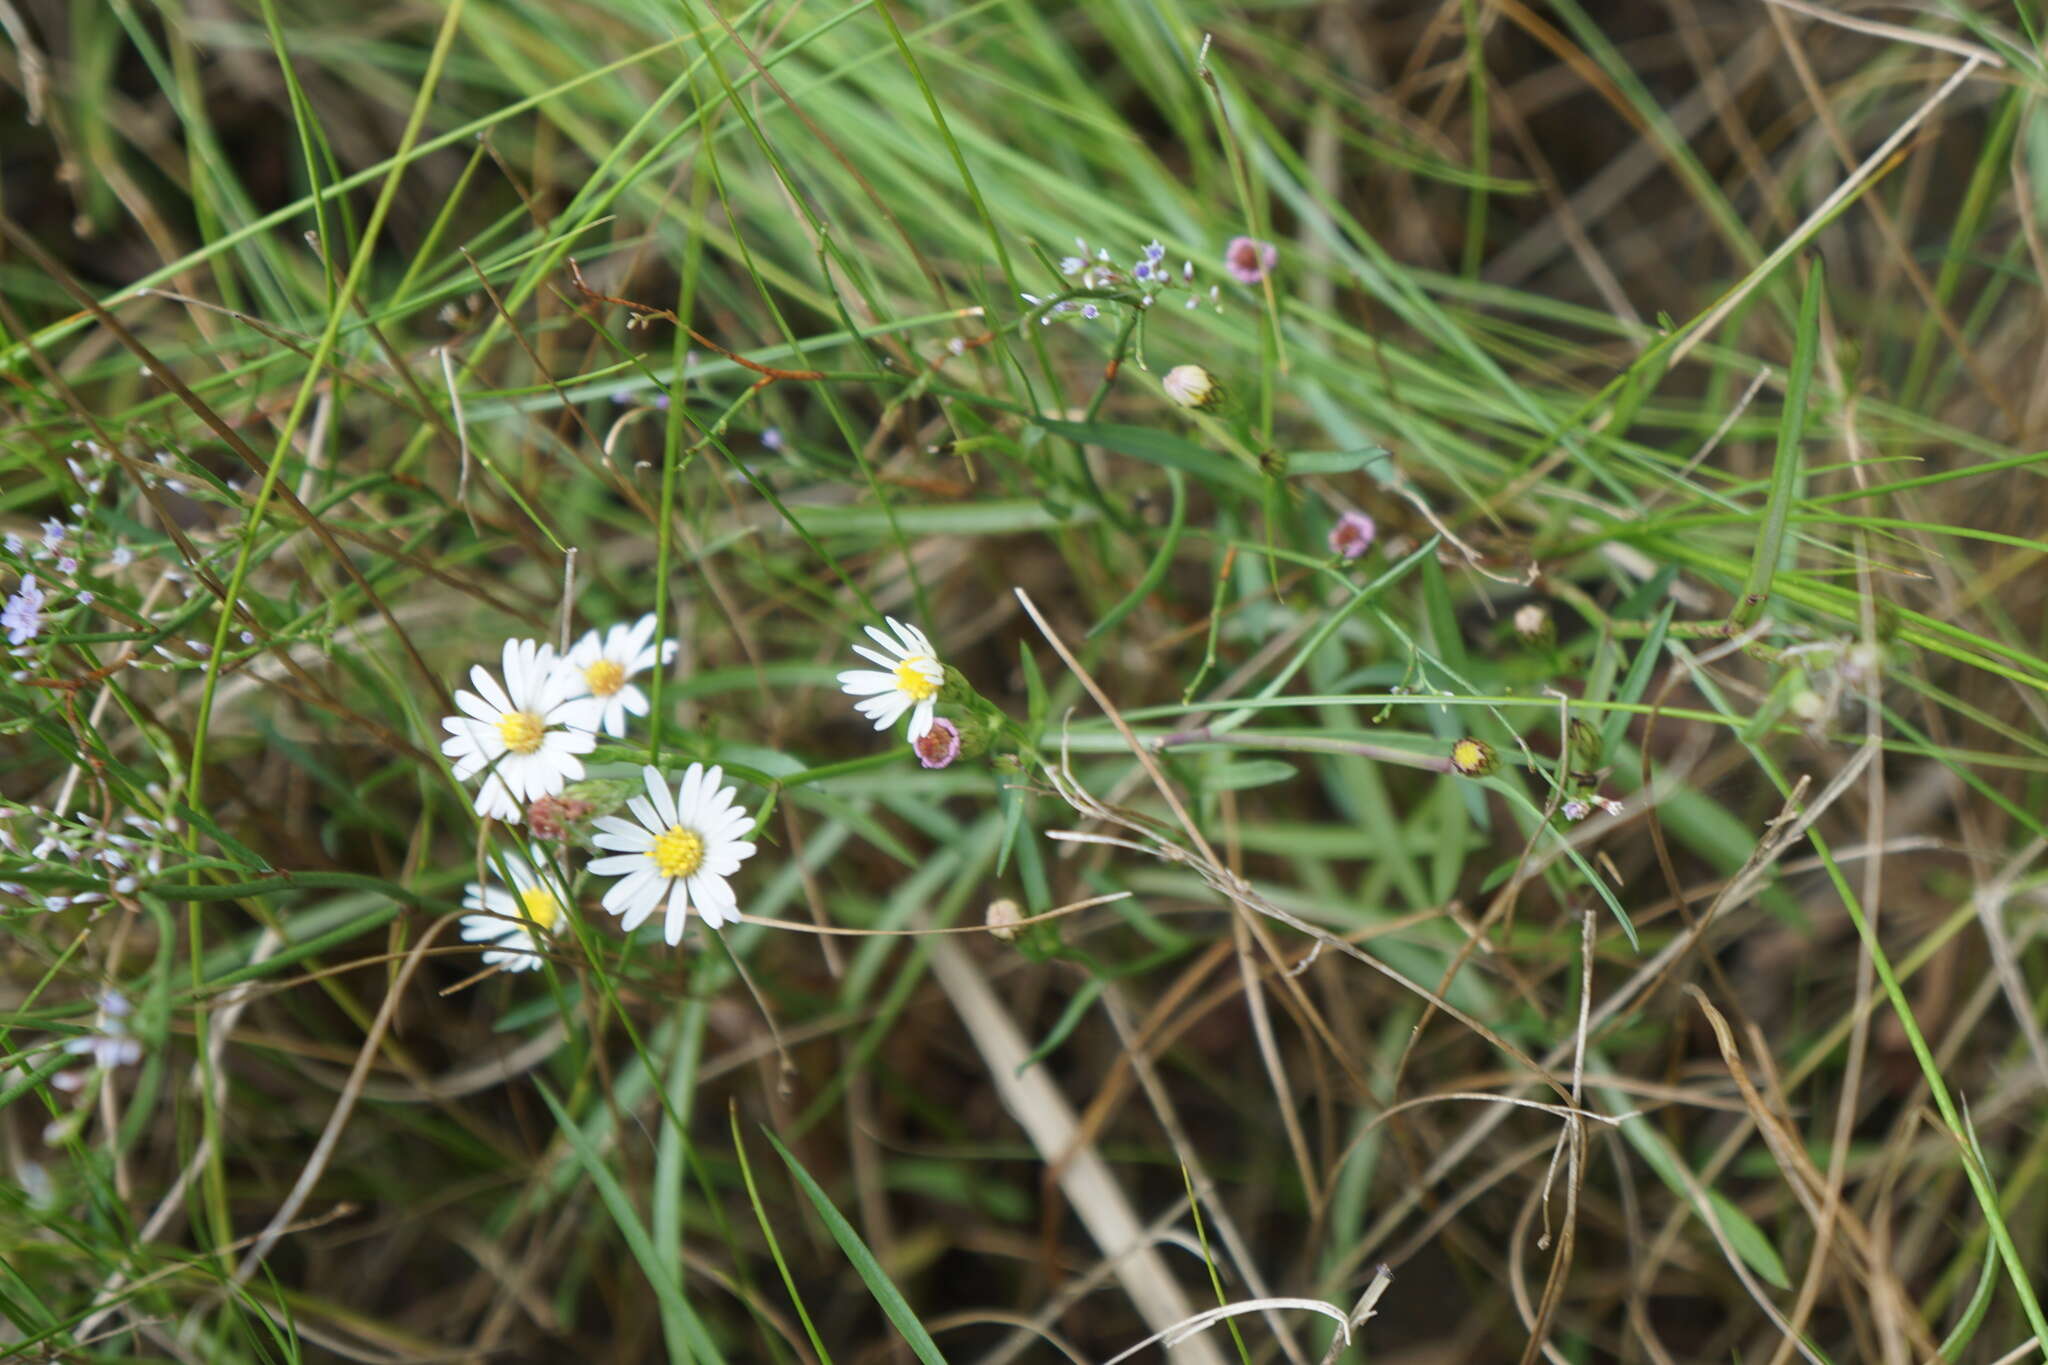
point(620, 897)
point(914, 641)
point(612, 824)
point(678, 912)
point(487, 687)
point(859, 682)
point(921, 720)
point(619, 865)
point(886, 662)
point(658, 792)
point(894, 648)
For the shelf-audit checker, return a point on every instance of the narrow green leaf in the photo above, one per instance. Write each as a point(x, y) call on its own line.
point(1785, 468)
point(688, 1340)
point(1162, 448)
point(1637, 681)
point(864, 1263)
point(1243, 774)
point(1161, 561)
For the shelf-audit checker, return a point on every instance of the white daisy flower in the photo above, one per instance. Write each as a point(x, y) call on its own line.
point(606, 666)
point(502, 915)
point(524, 736)
point(684, 846)
point(910, 681)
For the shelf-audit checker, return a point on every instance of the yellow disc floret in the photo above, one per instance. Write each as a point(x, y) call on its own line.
point(677, 852)
point(540, 906)
point(912, 680)
point(604, 677)
point(1473, 757)
point(521, 731)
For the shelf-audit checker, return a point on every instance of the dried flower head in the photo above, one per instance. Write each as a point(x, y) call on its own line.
point(1003, 918)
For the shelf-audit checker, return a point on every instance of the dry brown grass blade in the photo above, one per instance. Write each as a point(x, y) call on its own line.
point(1028, 1093)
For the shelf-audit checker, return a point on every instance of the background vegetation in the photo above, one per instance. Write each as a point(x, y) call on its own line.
point(1710, 328)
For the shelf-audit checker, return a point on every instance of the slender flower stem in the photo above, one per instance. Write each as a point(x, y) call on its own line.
point(1379, 753)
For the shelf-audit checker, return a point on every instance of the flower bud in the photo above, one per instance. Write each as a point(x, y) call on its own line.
point(938, 746)
point(549, 817)
point(1473, 757)
point(1352, 536)
point(1533, 624)
point(1003, 919)
point(1585, 747)
point(1191, 386)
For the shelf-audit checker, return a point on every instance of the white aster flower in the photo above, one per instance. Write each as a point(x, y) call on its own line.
point(682, 848)
point(524, 736)
point(512, 920)
point(910, 681)
point(605, 667)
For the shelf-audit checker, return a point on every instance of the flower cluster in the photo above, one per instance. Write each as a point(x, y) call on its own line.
point(113, 858)
point(667, 849)
point(1140, 285)
point(525, 737)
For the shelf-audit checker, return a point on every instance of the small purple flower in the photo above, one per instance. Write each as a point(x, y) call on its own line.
point(1073, 265)
point(13, 543)
point(1576, 810)
point(771, 439)
point(1248, 260)
point(122, 556)
point(22, 618)
point(67, 565)
point(938, 746)
point(53, 532)
point(1352, 536)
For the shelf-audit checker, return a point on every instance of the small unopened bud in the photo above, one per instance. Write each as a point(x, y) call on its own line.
point(1533, 624)
point(549, 817)
point(1003, 918)
point(1808, 704)
point(1352, 536)
point(938, 746)
point(1191, 386)
point(1473, 757)
point(1586, 746)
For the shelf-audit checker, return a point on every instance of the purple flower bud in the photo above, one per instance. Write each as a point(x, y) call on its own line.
point(1352, 536)
point(938, 746)
point(1248, 260)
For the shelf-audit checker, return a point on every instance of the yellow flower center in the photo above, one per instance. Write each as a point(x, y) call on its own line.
point(540, 906)
point(521, 731)
point(677, 852)
point(604, 677)
point(911, 680)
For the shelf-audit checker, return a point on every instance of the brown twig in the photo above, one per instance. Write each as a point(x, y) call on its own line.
point(769, 373)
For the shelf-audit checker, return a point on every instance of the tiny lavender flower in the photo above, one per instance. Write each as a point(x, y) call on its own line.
point(22, 618)
point(1248, 260)
point(1352, 536)
point(938, 746)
